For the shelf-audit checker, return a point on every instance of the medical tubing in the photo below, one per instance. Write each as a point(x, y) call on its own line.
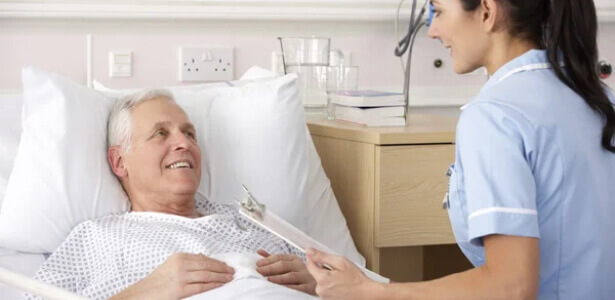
point(407, 74)
point(411, 31)
point(412, 14)
point(397, 40)
point(406, 40)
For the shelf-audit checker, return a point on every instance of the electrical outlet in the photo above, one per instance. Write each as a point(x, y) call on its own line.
point(206, 64)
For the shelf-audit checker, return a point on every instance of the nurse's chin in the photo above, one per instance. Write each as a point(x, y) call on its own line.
point(464, 69)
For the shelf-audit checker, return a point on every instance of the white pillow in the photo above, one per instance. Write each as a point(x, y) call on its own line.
point(61, 176)
point(63, 151)
point(252, 135)
point(324, 220)
point(10, 131)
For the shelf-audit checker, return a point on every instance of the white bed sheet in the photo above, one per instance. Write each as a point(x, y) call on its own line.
point(24, 263)
point(245, 288)
point(253, 289)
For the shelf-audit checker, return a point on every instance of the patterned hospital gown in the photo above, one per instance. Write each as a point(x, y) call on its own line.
point(100, 258)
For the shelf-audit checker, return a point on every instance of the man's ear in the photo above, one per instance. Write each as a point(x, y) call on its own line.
point(491, 15)
point(116, 161)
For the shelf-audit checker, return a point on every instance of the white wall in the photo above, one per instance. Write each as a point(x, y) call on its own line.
point(60, 46)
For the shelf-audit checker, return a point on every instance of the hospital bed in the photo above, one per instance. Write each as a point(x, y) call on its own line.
point(328, 225)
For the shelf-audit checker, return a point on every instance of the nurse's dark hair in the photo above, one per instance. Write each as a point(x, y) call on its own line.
point(569, 26)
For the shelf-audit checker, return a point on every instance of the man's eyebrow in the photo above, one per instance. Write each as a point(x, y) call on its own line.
point(160, 124)
point(188, 126)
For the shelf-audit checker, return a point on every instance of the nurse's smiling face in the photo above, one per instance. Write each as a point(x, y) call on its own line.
point(463, 32)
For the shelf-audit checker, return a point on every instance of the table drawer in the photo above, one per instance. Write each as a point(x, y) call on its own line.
point(409, 188)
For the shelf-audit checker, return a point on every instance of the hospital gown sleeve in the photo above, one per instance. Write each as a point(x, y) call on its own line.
point(494, 146)
point(67, 267)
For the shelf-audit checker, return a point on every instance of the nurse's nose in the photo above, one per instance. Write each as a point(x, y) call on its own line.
point(433, 31)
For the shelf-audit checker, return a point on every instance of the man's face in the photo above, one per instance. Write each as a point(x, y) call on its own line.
point(164, 158)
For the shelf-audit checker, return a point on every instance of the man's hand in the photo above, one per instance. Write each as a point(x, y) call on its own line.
point(287, 270)
point(345, 281)
point(180, 276)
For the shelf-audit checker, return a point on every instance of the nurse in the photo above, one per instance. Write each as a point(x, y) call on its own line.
point(532, 190)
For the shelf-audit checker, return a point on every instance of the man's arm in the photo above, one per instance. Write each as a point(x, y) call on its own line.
point(180, 276)
point(57, 272)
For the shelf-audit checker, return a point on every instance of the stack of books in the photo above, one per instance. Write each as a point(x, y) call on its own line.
point(369, 108)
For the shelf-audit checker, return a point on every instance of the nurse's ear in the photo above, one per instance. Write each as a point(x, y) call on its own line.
point(491, 15)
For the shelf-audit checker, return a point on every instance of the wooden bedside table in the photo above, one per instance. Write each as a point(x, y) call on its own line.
point(390, 183)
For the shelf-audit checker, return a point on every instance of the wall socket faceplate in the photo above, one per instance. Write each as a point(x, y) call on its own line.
point(206, 63)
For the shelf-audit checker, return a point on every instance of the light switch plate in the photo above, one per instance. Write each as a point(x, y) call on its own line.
point(206, 63)
point(120, 63)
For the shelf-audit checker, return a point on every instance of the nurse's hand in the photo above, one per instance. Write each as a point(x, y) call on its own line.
point(345, 281)
point(287, 270)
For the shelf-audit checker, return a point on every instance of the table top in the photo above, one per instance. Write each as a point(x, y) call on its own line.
point(422, 129)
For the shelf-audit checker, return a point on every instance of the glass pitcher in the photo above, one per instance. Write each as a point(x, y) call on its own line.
point(309, 58)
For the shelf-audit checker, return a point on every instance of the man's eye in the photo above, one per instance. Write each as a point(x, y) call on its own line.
point(190, 134)
point(159, 133)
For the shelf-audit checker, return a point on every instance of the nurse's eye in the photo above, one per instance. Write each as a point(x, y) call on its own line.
point(436, 13)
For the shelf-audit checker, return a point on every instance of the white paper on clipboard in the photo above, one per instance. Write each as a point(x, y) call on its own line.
point(286, 231)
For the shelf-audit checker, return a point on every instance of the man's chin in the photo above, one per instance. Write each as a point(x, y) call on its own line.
point(184, 188)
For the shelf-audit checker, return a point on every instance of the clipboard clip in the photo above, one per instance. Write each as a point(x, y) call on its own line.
point(250, 206)
point(256, 210)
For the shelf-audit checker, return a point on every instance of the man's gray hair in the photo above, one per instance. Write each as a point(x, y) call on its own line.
point(119, 131)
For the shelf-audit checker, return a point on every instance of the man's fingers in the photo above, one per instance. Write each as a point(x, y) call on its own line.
point(288, 278)
point(263, 253)
point(206, 277)
point(280, 267)
point(197, 288)
point(208, 264)
point(275, 258)
point(335, 261)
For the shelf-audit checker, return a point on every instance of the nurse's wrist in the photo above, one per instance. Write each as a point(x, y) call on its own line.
point(375, 290)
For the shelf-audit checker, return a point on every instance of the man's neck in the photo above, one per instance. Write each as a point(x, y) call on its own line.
point(180, 205)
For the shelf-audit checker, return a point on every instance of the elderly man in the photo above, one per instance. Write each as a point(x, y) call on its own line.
point(173, 243)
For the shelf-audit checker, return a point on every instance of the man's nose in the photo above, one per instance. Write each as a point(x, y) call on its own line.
point(181, 141)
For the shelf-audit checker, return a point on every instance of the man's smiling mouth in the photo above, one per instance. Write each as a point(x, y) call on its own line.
point(179, 165)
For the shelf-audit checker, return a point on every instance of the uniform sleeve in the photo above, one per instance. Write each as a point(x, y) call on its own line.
point(494, 146)
point(67, 267)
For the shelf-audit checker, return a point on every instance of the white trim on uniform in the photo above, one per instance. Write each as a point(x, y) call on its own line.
point(509, 210)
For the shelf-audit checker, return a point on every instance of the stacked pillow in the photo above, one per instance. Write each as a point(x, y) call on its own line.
point(253, 133)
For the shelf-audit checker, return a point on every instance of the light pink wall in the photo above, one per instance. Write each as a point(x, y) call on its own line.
point(60, 46)
point(62, 53)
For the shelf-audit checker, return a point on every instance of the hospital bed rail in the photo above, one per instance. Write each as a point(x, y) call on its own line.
point(36, 287)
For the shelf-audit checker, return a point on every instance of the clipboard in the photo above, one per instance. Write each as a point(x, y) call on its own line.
point(259, 215)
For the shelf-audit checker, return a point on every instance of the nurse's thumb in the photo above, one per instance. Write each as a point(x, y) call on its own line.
point(320, 257)
point(313, 254)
